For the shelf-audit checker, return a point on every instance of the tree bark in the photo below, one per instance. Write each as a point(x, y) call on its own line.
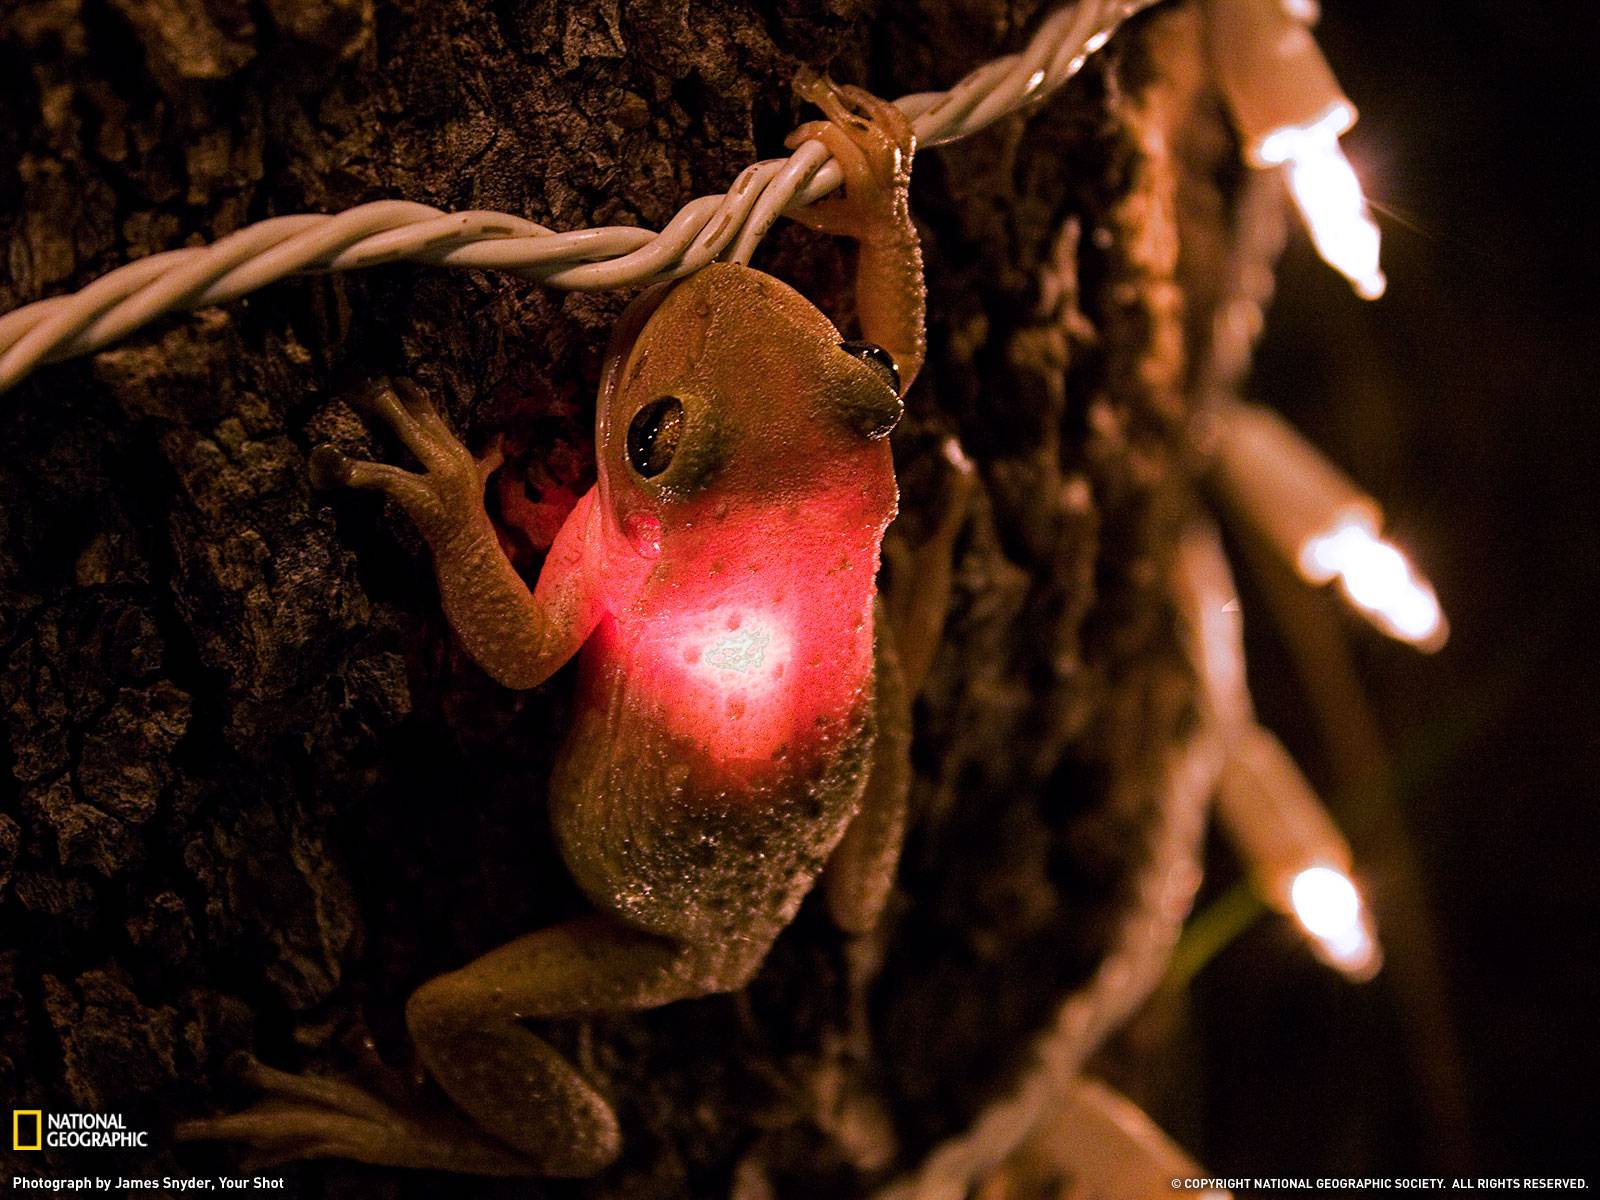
point(252, 796)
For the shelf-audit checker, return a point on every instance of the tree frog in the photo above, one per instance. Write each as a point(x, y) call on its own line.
point(741, 721)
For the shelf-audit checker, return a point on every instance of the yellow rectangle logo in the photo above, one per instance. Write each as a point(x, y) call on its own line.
point(20, 1140)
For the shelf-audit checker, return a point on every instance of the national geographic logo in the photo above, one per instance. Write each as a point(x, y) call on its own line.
point(32, 1130)
point(27, 1129)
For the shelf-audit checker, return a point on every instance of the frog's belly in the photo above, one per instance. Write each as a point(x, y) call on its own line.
point(677, 844)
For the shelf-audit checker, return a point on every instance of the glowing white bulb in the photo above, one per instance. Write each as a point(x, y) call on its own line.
point(1378, 579)
point(1315, 519)
point(1329, 196)
point(1290, 112)
point(1326, 902)
point(1297, 860)
point(1284, 142)
point(1329, 908)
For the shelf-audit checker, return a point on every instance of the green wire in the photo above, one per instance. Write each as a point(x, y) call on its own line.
point(1210, 931)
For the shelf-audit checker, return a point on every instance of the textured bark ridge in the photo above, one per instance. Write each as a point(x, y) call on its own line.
point(250, 795)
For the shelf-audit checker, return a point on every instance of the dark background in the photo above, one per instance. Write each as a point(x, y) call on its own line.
point(1466, 401)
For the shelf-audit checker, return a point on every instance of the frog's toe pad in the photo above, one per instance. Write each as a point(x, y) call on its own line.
point(277, 1131)
point(330, 468)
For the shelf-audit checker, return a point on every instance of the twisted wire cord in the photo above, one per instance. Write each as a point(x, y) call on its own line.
point(729, 226)
point(1163, 891)
point(1162, 894)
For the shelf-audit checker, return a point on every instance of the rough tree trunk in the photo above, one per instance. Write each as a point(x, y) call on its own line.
point(251, 796)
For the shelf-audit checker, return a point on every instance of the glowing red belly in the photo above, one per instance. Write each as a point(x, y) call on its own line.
point(760, 657)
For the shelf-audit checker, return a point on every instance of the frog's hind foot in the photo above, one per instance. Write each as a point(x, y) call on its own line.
point(313, 1116)
point(873, 143)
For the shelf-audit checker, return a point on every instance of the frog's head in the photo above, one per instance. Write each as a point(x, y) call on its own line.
point(728, 392)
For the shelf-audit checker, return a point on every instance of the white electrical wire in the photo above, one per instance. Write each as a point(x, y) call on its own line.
point(729, 226)
point(1160, 900)
point(1162, 894)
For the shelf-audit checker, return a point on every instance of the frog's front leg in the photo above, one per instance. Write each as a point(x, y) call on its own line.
point(518, 636)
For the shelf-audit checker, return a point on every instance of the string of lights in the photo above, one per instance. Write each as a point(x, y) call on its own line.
point(1298, 862)
point(1160, 899)
point(1286, 101)
point(728, 227)
point(1290, 112)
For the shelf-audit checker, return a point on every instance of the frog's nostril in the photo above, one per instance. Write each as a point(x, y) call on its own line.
point(887, 420)
point(872, 415)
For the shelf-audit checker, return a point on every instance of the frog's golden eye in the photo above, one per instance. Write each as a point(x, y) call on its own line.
point(876, 357)
point(653, 436)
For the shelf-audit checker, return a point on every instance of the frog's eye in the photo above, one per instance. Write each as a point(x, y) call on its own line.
point(653, 436)
point(876, 357)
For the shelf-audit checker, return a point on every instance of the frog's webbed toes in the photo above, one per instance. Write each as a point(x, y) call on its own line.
point(332, 468)
point(407, 410)
point(447, 493)
point(840, 102)
point(298, 1116)
point(873, 143)
point(314, 1116)
point(873, 123)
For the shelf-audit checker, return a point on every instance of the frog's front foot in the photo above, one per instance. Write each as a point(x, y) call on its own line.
point(446, 496)
point(312, 1116)
point(873, 144)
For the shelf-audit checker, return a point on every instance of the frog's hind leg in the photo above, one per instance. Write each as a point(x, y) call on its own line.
point(467, 1026)
point(921, 578)
point(531, 1112)
point(910, 622)
point(861, 869)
